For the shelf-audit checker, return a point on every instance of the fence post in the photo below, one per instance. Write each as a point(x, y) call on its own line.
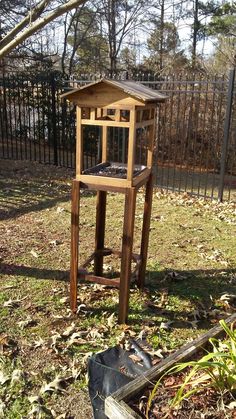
point(54, 121)
point(226, 134)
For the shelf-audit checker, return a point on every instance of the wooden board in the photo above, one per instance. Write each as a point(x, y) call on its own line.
point(116, 406)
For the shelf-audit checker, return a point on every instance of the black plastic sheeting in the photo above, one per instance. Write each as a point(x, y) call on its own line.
point(108, 371)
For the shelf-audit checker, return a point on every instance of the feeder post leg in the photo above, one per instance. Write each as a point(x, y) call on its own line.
point(74, 244)
point(100, 231)
point(126, 257)
point(145, 231)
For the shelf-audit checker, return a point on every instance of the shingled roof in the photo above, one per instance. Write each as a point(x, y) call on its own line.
point(133, 89)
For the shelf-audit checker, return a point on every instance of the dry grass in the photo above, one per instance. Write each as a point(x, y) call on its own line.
point(191, 265)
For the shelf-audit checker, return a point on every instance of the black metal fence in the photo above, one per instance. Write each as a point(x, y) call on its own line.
point(196, 141)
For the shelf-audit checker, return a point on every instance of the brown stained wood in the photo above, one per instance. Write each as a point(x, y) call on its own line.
point(131, 145)
point(116, 406)
point(127, 245)
point(79, 142)
point(101, 280)
point(104, 143)
point(74, 244)
point(104, 89)
point(100, 231)
point(109, 188)
point(145, 232)
point(104, 181)
point(142, 177)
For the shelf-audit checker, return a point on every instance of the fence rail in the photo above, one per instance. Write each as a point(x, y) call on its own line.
point(196, 141)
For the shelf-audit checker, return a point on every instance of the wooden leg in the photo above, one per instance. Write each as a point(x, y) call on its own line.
point(100, 231)
point(145, 231)
point(74, 244)
point(127, 245)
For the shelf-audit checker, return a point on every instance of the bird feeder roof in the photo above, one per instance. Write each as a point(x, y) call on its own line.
point(113, 91)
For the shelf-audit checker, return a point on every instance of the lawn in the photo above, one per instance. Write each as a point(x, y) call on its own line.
point(191, 284)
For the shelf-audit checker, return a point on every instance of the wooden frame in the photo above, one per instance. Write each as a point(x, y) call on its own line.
point(110, 103)
point(116, 406)
point(77, 273)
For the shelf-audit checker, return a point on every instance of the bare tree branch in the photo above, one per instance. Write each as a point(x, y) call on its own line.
point(39, 24)
point(30, 18)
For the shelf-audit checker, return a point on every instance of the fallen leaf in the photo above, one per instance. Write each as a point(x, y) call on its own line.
point(33, 253)
point(4, 378)
point(69, 330)
point(165, 325)
point(24, 323)
point(17, 375)
point(2, 408)
point(38, 343)
point(34, 399)
point(111, 321)
point(54, 386)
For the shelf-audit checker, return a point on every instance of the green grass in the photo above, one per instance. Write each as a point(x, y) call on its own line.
point(192, 256)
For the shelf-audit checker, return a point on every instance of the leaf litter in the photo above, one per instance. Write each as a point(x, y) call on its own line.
point(63, 340)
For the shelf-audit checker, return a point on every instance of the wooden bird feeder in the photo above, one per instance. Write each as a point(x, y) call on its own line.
point(130, 108)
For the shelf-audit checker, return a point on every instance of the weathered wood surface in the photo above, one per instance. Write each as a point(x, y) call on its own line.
point(145, 231)
point(115, 406)
point(100, 231)
point(105, 91)
point(74, 244)
point(127, 245)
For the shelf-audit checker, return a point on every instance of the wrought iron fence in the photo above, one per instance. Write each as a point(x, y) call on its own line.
point(195, 148)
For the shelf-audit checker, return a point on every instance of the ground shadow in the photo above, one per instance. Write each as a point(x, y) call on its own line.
point(202, 288)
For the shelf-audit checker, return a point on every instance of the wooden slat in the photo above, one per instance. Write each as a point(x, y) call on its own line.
point(142, 178)
point(100, 231)
point(101, 280)
point(104, 143)
point(131, 145)
point(127, 244)
point(115, 405)
point(79, 142)
point(74, 244)
point(145, 231)
point(105, 123)
point(104, 180)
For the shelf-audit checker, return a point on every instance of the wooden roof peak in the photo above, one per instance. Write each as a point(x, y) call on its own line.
point(131, 88)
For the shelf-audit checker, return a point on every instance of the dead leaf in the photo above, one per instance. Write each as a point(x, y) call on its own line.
point(60, 209)
point(80, 308)
point(24, 323)
point(76, 339)
point(12, 303)
point(4, 378)
point(34, 399)
point(54, 386)
point(170, 381)
point(33, 253)
point(55, 242)
point(38, 343)
point(17, 375)
point(231, 405)
point(69, 330)
point(2, 408)
point(165, 325)
point(111, 321)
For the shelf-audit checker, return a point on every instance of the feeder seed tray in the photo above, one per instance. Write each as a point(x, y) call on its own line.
point(111, 169)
